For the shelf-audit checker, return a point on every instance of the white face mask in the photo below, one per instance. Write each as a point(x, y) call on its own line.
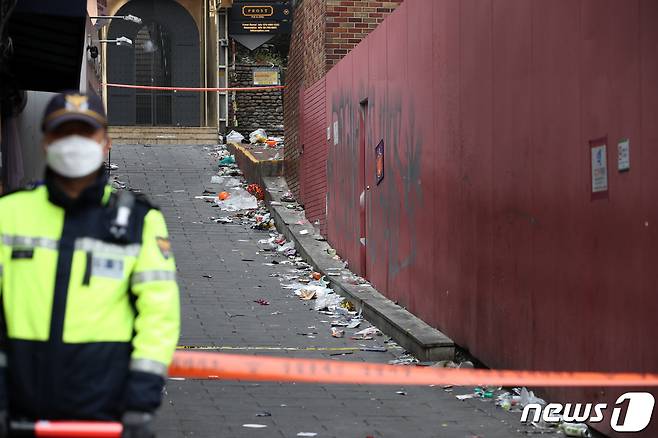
point(74, 156)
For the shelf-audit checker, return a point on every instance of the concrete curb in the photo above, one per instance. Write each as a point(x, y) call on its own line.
point(409, 331)
point(253, 169)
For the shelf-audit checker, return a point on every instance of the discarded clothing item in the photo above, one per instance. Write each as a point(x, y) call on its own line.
point(226, 161)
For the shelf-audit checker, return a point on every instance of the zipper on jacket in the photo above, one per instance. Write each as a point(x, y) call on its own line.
point(87, 277)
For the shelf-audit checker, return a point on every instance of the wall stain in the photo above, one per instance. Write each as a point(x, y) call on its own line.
point(394, 205)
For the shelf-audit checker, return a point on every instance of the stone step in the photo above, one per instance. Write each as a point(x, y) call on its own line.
point(152, 141)
point(177, 133)
point(160, 129)
point(163, 135)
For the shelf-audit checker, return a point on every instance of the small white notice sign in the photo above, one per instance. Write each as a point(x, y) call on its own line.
point(624, 155)
point(335, 132)
point(599, 169)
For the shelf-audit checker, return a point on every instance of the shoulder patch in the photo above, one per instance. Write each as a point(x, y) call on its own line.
point(165, 246)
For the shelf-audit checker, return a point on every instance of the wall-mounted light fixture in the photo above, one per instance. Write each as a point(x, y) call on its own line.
point(121, 41)
point(132, 18)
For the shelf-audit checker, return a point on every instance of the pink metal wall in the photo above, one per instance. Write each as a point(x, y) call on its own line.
point(484, 224)
point(313, 159)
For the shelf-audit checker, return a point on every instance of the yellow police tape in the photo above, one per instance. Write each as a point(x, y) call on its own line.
point(203, 365)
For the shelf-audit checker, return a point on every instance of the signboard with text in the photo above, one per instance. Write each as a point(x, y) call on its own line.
point(266, 76)
point(258, 17)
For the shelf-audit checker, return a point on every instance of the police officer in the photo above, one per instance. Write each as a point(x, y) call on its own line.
point(90, 304)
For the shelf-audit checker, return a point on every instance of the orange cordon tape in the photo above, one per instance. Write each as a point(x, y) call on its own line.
point(47, 429)
point(149, 87)
point(66, 429)
point(198, 365)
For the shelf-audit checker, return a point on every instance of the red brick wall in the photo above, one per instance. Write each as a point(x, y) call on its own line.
point(348, 22)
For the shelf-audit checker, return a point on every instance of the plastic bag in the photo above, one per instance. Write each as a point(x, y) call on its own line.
point(258, 136)
point(326, 298)
point(234, 137)
point(528, 397)
point(226, 161)
point(240, 199)
point(225, 181)
point(286, 246)
point(267, 244)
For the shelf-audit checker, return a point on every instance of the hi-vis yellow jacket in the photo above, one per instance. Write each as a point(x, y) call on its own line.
point(89, 300)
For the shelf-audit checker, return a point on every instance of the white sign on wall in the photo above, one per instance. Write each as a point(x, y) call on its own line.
point(624, 155)
point(335, 132)
point(599, 169)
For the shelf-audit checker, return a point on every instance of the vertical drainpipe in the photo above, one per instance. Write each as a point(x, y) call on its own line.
point(103, 55)
point(205, 61)
point(216, 66)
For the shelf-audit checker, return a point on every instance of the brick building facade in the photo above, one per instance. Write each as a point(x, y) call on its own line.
point(348, 22)
point(324, 31)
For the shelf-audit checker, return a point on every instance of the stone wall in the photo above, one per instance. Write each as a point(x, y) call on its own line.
point(251, 110)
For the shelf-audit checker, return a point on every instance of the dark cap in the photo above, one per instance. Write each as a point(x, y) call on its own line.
point(74, 106)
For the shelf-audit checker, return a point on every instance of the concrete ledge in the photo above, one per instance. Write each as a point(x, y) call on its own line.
point(253, 169)
point(409, 331)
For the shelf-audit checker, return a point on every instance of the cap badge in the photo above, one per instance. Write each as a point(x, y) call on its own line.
point(77, 103)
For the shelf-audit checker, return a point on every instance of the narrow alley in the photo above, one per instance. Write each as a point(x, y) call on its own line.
point(222, 272)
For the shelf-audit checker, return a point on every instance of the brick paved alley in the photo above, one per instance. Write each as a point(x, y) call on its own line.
point(221, 312)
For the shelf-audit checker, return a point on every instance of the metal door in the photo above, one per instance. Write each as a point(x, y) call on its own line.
point(153, 68)
point(363, 199)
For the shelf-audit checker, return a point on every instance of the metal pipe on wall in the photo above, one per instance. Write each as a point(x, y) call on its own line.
point(216, 67)
point(205, 61)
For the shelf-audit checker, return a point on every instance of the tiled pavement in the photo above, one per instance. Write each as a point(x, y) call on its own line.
point(221, 312)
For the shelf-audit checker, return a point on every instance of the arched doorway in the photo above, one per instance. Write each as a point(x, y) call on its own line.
point(165, 52)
